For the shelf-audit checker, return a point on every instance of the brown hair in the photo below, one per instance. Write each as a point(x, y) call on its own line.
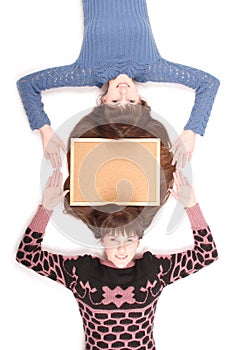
point(132, 121)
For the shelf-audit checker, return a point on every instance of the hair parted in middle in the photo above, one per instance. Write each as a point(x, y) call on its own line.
point(130, 121)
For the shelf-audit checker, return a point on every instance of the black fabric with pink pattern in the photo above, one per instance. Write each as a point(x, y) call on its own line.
point(117, 305)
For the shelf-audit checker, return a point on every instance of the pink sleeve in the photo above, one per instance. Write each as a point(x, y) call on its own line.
point(204, 252)
point(31, 254)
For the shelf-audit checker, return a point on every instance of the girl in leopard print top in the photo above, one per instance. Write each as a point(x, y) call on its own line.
point(117, 297)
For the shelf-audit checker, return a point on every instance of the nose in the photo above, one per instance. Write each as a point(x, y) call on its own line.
point(123, 90)
point(121, 249)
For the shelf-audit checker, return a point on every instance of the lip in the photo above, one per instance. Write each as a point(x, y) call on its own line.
point(121, 257)
point(123, 84)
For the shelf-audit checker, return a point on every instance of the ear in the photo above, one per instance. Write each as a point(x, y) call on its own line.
point(100, 241)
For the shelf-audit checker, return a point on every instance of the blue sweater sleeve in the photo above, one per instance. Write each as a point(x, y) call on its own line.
point(31, 86)
point(204, 84)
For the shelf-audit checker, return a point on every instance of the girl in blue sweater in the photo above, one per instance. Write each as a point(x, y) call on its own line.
point(118, 49)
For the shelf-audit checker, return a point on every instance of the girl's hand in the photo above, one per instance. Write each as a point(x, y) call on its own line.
point(51, 145)
point(183, 148)
point(53, 192)
point(183, 191)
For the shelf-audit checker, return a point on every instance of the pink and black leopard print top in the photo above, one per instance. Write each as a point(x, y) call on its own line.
point(117, 305)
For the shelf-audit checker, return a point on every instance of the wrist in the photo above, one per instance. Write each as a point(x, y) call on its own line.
point(191, 202)
point(196, 217)
point(189, 132)
point(47, 207)
point(40, 219)
point(191, 205)
point(46, 130)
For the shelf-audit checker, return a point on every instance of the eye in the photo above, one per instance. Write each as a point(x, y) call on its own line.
point(114, 101)
point(132, 101)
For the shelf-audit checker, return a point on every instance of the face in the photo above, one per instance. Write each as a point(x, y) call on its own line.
point(122, 90)
point(120, 249)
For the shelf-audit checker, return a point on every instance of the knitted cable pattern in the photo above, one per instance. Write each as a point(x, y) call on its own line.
point(118, 39)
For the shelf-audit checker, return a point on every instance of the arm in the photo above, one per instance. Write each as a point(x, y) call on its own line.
point(205, 87)
point(204, 252)
point(30, 253)
point(30, 88)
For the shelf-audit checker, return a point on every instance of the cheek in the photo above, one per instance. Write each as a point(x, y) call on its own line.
point(110, 253)
point(136, 93)
point(110, 94)
point(131, 251)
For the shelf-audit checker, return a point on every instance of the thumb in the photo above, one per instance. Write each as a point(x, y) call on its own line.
point(173, 193)
point(190, 155)
point(64, 148)
point(46, 154)
point(64, 193)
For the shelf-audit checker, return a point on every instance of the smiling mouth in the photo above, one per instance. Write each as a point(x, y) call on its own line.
point(123, 84)
point(121, 257)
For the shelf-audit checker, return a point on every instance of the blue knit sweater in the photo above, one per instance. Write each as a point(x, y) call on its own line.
point(118, 40)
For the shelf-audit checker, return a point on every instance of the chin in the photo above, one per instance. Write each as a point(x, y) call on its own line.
point(122, 75)
point(121, 264)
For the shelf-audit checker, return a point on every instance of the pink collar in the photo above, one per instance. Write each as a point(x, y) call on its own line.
point(110, 264)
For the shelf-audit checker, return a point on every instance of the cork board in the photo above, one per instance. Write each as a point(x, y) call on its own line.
point(124, 172)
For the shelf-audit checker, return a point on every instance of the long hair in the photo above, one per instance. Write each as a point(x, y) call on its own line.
point(131, 121)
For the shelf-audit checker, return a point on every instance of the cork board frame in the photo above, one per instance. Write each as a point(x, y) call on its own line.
point(124, 171)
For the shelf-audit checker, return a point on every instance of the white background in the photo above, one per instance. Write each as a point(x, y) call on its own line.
point(194, 313)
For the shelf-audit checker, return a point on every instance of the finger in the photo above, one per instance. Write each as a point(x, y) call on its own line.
point(175, 175)
point(182, 179)
point(184, 159)
point(53, 163)
point(178, 164)
point(57, 160)
point(60, 179)
point(51, 158)
point(63, 194)
point(64, 148)
point(53, 179)
point(57, 178)
point(190, 155)
point(175, 159)
point(175, 145)
point(46, 154)
point(48, 184)
point(173, 193)
point(187, 181)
